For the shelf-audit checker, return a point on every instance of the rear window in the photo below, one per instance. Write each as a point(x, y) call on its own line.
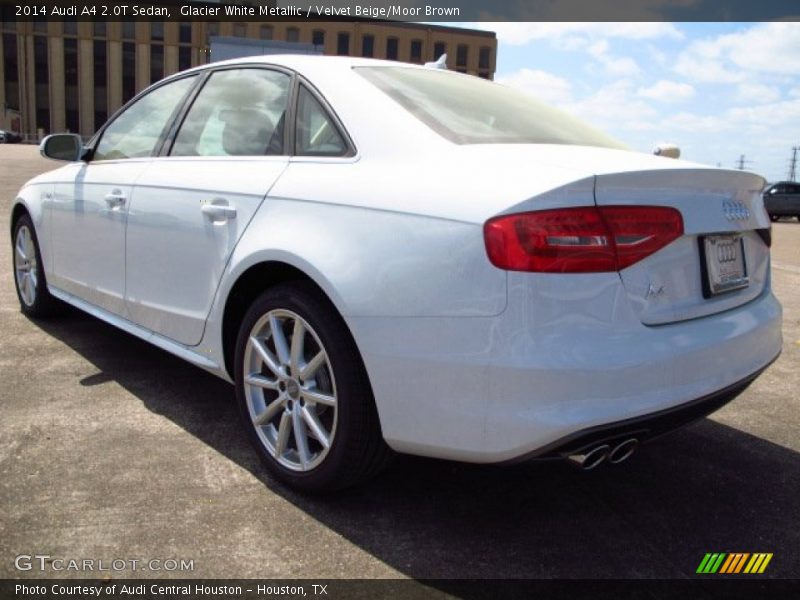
point(471, 110)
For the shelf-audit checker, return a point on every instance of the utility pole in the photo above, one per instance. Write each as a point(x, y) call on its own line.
point(741, 162)
point(793, 164)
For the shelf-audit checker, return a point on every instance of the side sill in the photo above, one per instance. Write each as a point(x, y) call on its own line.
point(145, 334)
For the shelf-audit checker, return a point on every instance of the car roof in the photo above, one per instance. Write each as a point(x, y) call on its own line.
point(308, 64)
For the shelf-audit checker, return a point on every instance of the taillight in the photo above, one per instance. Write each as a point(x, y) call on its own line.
point(580, 240)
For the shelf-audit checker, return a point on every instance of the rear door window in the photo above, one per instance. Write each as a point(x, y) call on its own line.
point(239, 112)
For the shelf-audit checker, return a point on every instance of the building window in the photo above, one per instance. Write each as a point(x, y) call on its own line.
point(157, 31)
point(239, 30)
point(11, 74)
point(185, 33)
point(484, 57)
point(156, 62)
point(439, 48)
point(71, 85)
point(99, 28)
point(128, 71)
point(391, 48)
point(184, 58)
point(265, 33)
point(129, 30)
point(293, 34)
point(42, 80)
point(368, 46)
point(8, 18)
point(213, 29)
point(70, 28)
point(40, 26)
point(318, 37)
point(416, 51)
point(100, 84)
point(461, 55)
point(343, 44)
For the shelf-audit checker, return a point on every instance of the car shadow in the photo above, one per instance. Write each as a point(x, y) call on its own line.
point(707, 488)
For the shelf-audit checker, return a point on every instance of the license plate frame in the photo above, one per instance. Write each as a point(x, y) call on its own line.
point(724, 263)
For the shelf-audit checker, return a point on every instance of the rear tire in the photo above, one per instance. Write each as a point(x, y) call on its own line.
point(29, 278)
point(303, 392)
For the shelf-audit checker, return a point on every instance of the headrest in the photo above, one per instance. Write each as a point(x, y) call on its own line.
point(247, 131)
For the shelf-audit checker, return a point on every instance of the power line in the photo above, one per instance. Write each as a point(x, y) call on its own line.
point(740, 164)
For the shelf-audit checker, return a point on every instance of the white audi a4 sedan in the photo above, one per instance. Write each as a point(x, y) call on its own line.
point(387, 257)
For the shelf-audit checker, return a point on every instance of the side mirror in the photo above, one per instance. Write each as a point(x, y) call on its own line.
point(62, 146)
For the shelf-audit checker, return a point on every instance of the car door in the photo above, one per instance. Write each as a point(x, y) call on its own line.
point(191, 206)
point(91, 201)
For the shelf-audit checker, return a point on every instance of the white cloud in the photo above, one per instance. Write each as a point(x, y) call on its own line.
point(668, 91)
point(616, 66)
point(757, 93)
point(615, 105)
point(541, 84)
point(523, 33)
point(690, 122)
point(772, 48)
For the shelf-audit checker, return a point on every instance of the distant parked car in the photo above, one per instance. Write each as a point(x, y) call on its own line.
point(782, 200)
point(9, 137)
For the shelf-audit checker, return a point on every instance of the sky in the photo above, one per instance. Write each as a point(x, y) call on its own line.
point(717, 90)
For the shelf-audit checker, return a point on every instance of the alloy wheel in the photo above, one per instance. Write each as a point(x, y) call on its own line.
point(25, 266)
point(290, 390)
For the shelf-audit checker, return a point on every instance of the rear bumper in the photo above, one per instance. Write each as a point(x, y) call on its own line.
point(543, 378)
point(647, 427)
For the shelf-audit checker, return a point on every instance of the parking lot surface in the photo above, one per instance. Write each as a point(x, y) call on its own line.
point(113, 449)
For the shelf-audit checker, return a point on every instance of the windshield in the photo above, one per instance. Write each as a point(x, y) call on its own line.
point(470, 110)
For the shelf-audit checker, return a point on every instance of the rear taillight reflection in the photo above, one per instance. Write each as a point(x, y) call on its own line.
point(580, 240)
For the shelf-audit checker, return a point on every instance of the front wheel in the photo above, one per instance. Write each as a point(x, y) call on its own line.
point(34, 298)
point(303, 392)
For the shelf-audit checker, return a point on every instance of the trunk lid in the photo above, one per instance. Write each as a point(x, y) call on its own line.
point(723, 207)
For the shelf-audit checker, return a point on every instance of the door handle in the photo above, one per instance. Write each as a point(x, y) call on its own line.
point(218, 211)
point(115, 199)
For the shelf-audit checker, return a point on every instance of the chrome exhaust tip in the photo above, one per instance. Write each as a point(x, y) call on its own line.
point(592, 459)
point(623, 451)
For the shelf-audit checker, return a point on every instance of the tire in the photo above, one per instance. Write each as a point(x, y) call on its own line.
point(29, 278)
point(307, 407)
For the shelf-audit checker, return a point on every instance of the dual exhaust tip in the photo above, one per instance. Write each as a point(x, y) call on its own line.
point(614, 454)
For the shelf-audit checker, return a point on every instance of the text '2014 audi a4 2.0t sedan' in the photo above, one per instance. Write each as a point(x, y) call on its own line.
point(393, 257)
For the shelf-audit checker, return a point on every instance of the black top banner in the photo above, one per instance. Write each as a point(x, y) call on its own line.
point(403, 10)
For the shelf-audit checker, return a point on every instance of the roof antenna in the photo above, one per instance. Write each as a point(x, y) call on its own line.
point(440, 63)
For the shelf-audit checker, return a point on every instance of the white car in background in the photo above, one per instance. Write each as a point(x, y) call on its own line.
point(385, 256)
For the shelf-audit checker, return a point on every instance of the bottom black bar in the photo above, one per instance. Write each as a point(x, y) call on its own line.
point(701, 588)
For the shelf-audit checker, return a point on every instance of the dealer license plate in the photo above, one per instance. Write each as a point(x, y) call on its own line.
point(725, 265)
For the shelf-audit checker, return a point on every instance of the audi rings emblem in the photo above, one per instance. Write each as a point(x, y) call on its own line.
point(726, 252)
point(735, 210)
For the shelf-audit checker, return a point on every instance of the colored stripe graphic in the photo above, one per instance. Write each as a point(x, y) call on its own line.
point(732, 558)
point(703, 563)
point(711, 562)
point(734, 562)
